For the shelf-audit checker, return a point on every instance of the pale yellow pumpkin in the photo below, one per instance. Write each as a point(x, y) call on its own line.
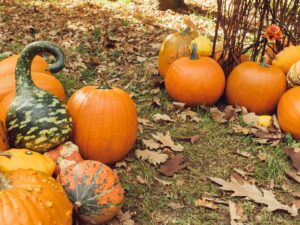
point(287, 57)
point(264, 121)
point(204, 46)
point(293, 76)
point(14, 159)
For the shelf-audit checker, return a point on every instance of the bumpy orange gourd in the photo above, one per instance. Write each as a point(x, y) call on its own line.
point(30, 198)
point(3, 138)
point(287, 57)
point(256, 87)
point(195, 81)
point(174, 46)
point(104, 123)
point(41, 80)
point(8, 65)
point(94, 189)
point(288, 112)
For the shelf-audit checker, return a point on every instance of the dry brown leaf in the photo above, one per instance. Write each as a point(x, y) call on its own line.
point(243, 173)
point(250, 119)
point(262, 156)
point(296, 194)
point(145, 122)
point(205, 203)
point(264, 197)
point(122, 218)
point(167, 141)
point(174, 205)
point(294, 154)
point(173, 165)
point(151, 144)
point(236, 128)
point(156, 102)
point(121, 164)
point(237, 216)
point(163, 182)
point(244, 154)
point(217, 115)
point(293, 175)
point(161, 117)
point(215, 200)
point(140, 179)
point(154, 158)
point(191, 139)
point(179, 105)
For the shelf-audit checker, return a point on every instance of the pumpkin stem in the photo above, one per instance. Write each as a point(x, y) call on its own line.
point(6, 154)
point(23, 67)
point(4, 184)
point(194, 55)
point(264, 62)
point(186, 31)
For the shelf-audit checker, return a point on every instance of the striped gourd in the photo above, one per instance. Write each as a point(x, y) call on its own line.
point(293, 76)
point(36, 119)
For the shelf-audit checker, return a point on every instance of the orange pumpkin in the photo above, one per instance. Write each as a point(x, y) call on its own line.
point(195, 81)
point(8, 65)
point(104, 123)
point(174, 46)
point(30, 198)
point(288, 112)
point(3, 138)
point(94, 189)
point(256, 87)
point(287, 57)
point(41, 80)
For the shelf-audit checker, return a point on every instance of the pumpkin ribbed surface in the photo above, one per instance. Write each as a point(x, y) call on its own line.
point(3, 138)
point(94, 188)
point(104, 123)
point(287, 57)
point(32, 198)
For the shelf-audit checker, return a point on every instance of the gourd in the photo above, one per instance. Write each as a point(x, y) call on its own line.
point(287, 57)
point(195, 81)
point(3, 138)
point(94, 189)
point(175, 45)
point(36, 119)
point(104, 121)
point(14, 159)
point(31, 198)
point(258, 87)
point(204, 46)
point(288, 112)
point(293, 76)
point(264, 121)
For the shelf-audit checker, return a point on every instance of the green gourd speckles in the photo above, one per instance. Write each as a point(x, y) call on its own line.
point(36, 119)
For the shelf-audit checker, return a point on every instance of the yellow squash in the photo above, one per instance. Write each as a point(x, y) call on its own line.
point(14, 159)
point(204, 46)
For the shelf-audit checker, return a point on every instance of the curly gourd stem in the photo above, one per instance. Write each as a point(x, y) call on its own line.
point(23, 67)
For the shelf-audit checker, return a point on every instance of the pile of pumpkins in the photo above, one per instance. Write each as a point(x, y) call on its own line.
point(194, 78)
point(44, 177)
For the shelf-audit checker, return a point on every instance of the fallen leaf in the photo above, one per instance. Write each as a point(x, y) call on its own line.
point(218, 201)
point(145, 122)
point(167, 141)
point(179, 105)
point(174, 205)
point(121, 164)
point(294, 154)
point(163, 182)
point(161, 117)
point(296, 203)
point(236, 128)
point(237, 216)
point(191, 139)
point(151, 144)
point(173, 165)
point(156, 101)
point(154, 158)
point(217, 115)
point(205, 203)
point(122, 218)
point(250, 119)
point(293, 175)
point(140, 179)
point(296, 194)
point(244, 154)
point(243, 173)
point(262, 156)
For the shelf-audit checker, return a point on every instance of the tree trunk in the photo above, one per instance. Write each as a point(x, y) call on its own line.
point(171, 4)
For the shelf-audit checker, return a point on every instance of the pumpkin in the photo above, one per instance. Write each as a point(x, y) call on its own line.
point(25, 159)
point(8, 65)
point(204, 46)
point(258, 87)
point(94, 189)
point(3, 138)
point(175, 45)
point(104, 121)
point(30, 198)
point(41, 80)
point(264, 121)
point(288, 112)
point(287, 57)
point(293, 76)
point(36, 119)
point(64, 155)
point(4, 55)
point(195, 81)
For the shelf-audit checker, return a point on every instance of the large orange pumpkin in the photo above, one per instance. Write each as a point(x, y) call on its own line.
point(3, 138)
point(41, 80)
point(94, 189)
point(174, 46)
point(8, 65)
point(195, 81)
point(30, 198)
point(287, 57)
point(104, 123)
point(256, 87)
point(288, 112)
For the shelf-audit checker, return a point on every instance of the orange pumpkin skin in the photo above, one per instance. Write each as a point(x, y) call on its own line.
point(195, 82)
point(104, 123)
point(41, 80)
point(33, 198)
point(255, 87)
point(94, 189)
point(3, 138)
point(288, 112)
point(287, 57)
point(8, 65)
point(174, 46)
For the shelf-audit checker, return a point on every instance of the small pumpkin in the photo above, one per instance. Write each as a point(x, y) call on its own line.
point(30, 198)
point(288, 112)
point(94, 189)
point(265, 120)
point(64, 155)
point(3, 138)
point(293, 76)
point(287, 57)
point(104, 121)
point(204, 46)
point(195, 81)
point(14, 159)
point(8, 65)
point(36, 119)
point(175, 45)
point(258, 87)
